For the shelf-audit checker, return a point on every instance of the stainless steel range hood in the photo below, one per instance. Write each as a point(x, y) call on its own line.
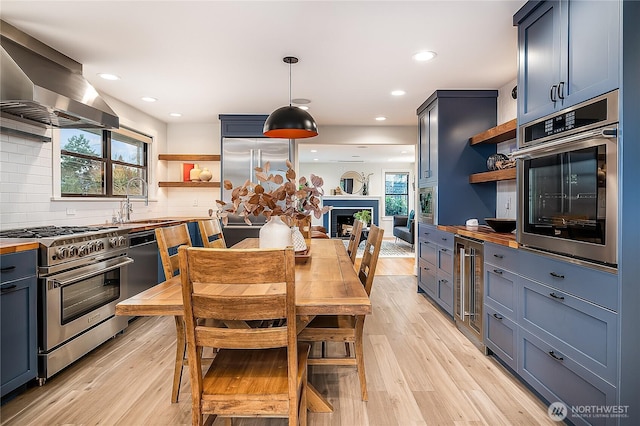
point(40, 85)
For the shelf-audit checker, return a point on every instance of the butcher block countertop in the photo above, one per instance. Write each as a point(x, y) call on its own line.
point(482, 232)
point(14, 245)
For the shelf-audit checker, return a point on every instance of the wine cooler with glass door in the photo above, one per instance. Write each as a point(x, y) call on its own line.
point(469, 288)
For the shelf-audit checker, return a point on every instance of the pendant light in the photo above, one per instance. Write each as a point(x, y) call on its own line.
point(290, 122)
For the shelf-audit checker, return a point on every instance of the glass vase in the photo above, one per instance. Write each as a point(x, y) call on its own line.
point(275, 234)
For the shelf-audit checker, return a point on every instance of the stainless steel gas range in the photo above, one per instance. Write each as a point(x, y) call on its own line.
point(82, 275)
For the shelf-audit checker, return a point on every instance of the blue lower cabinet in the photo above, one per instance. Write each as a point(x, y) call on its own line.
point(194, 232)
point(427, 278)
point(559, 378)
point(583, 330)
point(18, 338)
point(444, 296)
point(500, 335)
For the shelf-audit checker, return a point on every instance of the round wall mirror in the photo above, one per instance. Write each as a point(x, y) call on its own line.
point(351, 182)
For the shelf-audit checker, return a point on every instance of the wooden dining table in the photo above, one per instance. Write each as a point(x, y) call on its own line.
point(326, 284)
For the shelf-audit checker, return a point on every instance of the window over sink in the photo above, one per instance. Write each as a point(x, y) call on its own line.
point(99, 163)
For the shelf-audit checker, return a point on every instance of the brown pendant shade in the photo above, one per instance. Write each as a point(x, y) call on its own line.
point(290, 122)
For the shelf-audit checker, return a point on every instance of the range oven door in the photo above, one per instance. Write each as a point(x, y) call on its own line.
point(568, 195)
point(74, 301)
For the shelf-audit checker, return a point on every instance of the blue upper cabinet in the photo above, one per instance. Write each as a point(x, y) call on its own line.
point(242, 125)
point(569, 52)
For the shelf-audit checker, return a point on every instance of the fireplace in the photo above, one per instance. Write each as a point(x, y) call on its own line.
point(340, 219)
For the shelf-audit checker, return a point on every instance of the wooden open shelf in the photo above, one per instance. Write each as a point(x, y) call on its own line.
point(189, 184)
point(188, 157)
point(500, 133)
point(493, 176)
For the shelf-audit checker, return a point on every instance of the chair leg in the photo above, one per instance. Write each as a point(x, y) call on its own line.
point(181, 347)
point(360, 363)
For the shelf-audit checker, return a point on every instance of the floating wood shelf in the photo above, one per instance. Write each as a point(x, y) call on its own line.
point(188, 157)
point(189, 184)
point(500, 133)
point(506, 174)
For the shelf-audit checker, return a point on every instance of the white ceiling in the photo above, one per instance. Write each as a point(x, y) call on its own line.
point(204, 58)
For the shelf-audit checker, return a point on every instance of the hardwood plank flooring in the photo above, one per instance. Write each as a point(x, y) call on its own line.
point(420, 371)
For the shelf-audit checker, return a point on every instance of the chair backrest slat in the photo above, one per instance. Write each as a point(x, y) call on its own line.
point(370, 256)
point(235, 338)
point(252, 308)
point(211, 233)
point(354, 240)
point(169, 239)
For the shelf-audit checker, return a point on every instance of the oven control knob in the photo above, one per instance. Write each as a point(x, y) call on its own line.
point(122, 241)
point(73, 251)
point(83, 250)
point(113, 242)
point(90, 247)
point(62, 253)
point(99, 245)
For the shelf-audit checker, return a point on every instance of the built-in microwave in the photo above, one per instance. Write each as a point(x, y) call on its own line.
point(426, 204)
point(568, 182)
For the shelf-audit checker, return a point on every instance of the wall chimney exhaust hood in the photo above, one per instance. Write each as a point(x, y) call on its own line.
point(41, 86)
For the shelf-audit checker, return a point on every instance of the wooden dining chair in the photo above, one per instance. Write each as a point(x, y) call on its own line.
point(348, 328)
point(257, 372)
point(211, 233)
point(169, 239)
point(354, 240)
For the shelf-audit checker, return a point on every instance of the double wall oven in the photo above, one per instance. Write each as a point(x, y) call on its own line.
point(568, 181)
point(82, 276)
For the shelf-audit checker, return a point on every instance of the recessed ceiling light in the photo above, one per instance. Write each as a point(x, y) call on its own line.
point(108, 76)
point(314, 150)
point(403, 152)
point(315, 159)
point(425, 55)
point(398, 93)
point(381, 118)
point(303, 107)
point(175, 114)
point(149, 99)
point(300, 101)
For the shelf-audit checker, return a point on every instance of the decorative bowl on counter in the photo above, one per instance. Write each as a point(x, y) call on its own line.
point(501, 225)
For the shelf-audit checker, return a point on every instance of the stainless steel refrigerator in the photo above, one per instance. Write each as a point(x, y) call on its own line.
point(240, 157)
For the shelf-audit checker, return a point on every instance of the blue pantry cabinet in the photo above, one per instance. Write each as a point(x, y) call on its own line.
point(568, 52)
point(446, 121)
point(18, 329)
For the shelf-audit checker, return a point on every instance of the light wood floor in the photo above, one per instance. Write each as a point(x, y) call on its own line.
point(420, 371)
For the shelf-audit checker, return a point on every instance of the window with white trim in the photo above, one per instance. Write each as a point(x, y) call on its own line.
point(396, 193)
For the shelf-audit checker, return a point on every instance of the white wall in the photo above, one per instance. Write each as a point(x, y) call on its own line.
point(191, 139)
point(27, 188)
point(506, 190)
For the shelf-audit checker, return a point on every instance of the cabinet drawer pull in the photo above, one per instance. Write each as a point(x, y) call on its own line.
point(555, 296)
point(497, 316)
point(499, 256)
point(444, 239)
point(554, 275)
point(552, 93)
point(7, 288)
point(553, 355)
point(444, 281)
point(7, 268)
point(497, 271)
point(425, 268)
point(443, 249)
point(561, 90)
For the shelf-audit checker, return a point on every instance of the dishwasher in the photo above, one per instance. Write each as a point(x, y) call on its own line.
point(143, 273)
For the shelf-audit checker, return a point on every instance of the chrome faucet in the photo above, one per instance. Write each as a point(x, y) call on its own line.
point(125, 206)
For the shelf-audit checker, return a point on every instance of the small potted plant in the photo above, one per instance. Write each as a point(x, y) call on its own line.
point(363, 216)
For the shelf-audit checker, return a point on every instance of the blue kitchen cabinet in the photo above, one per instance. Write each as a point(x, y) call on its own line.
point(435, 265)
point(446, 121)
point(196, 241)
point(569, 51)
point(501, 292)
point(242, 125)
point(18, 329)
